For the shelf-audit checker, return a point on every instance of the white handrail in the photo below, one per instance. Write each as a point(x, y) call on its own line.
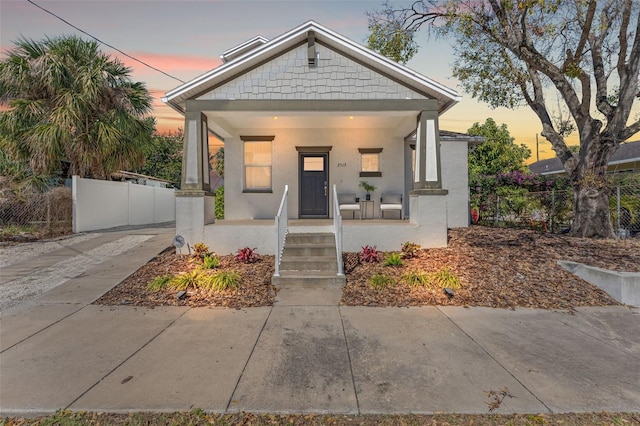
point(282, 228)
point(337, 229)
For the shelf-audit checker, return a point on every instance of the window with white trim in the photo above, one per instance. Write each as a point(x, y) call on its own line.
point(258, 161)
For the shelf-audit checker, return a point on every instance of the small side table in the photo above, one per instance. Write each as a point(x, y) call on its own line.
point(364, 208)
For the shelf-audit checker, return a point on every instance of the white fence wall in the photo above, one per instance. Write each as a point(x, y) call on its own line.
point(101, 204)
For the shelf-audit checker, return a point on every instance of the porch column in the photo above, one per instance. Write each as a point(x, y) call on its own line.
point(427, 199)
point(195, 204)
point(427, 163)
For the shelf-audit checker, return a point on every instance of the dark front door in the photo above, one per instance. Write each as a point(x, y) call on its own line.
point(314, 185)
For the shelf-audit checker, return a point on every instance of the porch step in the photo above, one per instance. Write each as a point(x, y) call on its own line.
point(309, 263)
point(290, 279)
point(310, 249)
point(311, 238)
point(309, 260)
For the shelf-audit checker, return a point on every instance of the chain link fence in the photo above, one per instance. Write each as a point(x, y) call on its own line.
point(36, 215)
point(552, 211)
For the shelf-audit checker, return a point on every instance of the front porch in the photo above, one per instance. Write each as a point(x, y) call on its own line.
point(227, 236)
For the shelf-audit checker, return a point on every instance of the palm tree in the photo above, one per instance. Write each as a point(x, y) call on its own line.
point(72, 109)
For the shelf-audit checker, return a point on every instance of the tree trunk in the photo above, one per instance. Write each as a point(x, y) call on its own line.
point(592, 217)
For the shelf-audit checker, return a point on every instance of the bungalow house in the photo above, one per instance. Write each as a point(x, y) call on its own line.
point(304, 118)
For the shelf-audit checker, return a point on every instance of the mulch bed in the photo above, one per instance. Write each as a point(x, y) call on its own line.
point(254, 290)
point(500, 268)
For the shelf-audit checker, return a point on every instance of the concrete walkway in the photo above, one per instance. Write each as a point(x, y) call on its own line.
point(305, 354)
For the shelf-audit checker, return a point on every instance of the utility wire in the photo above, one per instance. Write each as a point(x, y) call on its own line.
point(102, 42)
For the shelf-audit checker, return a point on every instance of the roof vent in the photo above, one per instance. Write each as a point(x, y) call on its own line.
point(313, 54)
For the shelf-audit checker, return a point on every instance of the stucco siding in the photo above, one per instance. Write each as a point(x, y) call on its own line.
point(344, 167)
point(290, 77)
point(455, 179)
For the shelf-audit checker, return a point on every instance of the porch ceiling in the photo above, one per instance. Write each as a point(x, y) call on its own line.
point(225, 122)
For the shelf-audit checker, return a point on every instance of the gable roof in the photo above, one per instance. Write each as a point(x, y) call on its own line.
point(626, 153)
point(268, 50)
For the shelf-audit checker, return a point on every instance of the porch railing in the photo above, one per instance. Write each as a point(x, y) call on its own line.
point(282, 228)
point(337, 229)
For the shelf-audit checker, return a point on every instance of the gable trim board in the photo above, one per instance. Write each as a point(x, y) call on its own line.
point(446, 97)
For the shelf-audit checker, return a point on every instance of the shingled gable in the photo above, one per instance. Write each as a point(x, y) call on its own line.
point(307, 33)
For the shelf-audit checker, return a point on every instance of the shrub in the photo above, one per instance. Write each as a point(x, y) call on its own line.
point(369, 254)
point(409, 249)
point(210, 262)
point(186, 280)
point(380, 281)
point(222, 280)
point(416, 278)
point(393, 259)
point(219, 208)
point(247, 255)
point(200, 250)
point(445, 279)
point(159, 283)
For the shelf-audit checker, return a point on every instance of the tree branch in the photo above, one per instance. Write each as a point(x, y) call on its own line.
point(586, 29)
point(629, 131)
point(626, 17)
point(548, 130)
point(628, 85)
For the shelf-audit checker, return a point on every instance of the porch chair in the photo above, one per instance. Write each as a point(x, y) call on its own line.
point(347, 202)
point(391, 202)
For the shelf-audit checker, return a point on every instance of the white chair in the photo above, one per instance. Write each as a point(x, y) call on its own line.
point(347, 202)
point(391, 202)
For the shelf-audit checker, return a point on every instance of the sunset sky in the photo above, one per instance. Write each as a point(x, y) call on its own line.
point(185, 39)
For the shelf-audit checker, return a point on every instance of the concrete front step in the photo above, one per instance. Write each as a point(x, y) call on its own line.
point(307, 280)
point(310, 238)
point(309, 249)
point(309, 263)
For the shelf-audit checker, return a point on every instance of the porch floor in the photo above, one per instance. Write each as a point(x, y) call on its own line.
point(226, 236)
point(297, 223)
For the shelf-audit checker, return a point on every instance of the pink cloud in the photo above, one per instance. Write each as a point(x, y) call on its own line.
point(171, 63)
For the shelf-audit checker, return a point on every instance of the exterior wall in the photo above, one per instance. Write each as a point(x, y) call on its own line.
point(455, 178)
point(290, 77)
point(344, 167)
point(227, 237)
point(99, 204)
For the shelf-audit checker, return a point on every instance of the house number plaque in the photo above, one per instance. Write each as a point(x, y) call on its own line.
point(342, 164)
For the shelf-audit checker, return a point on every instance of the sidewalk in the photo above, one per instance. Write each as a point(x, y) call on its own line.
point(59, 351)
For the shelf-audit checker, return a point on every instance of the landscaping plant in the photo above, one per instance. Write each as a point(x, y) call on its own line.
point(159, 283)
point(188, 279)
point(416, 278)
point(222, 280)
point(369, 254)
point(247, 255)
point(409, 249)
point(393, 259)
point(210, 262)
point(200, 250)
point(445, 278)
point(381, 281)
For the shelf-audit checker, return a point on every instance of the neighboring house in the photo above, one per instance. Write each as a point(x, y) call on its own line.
point(626, 159)
point(312, 110)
